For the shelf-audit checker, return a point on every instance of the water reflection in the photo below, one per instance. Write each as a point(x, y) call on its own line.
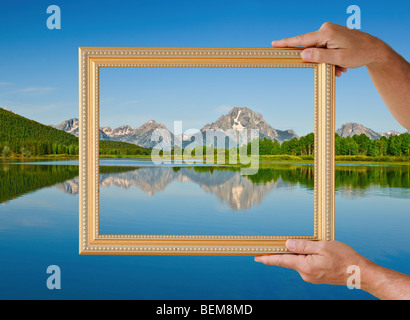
point(40, 229)
point(19, 179)
point(239, 192)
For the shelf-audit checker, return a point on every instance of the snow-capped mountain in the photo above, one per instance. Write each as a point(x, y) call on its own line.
point(239, 192)
point(140, 136)
point(72, 126)
point(390, 133)
point(236, 121)
point(242, 118)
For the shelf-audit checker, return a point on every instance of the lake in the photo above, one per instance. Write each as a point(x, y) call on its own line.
point(39, 227)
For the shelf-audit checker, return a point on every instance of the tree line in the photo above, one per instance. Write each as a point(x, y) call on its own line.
point(357, 145)
point(304, 146)
point(29, 148)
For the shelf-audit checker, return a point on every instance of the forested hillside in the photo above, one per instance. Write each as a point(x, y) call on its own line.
point(19, 135)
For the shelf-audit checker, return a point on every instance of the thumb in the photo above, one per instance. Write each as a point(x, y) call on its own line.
point(303, 246)
point(322, 55)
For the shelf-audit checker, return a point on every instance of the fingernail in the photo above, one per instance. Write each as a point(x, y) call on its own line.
point(306, 54)
point(258, 259)
point(291, 244)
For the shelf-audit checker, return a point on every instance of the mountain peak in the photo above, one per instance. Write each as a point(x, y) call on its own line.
point(151, 125)
point(70, 126)
point(238, 108)
point(351, 129)
point(243, 118)
point(125, 126)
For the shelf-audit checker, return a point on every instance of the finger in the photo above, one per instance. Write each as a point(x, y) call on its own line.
point(310, 39)
point(304, 246)
point(289, 261)
point(321, 55)
point(338, 73)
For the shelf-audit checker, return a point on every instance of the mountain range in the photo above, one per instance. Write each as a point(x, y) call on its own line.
point(239, 192)
point(237, 120)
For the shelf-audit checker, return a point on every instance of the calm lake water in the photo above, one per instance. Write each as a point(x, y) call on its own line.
point(39, 227)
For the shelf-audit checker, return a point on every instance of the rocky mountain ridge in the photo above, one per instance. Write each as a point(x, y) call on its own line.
point(235, 122)
point(351, 129)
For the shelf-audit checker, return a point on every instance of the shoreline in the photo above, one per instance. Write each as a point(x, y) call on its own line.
point(264, 159)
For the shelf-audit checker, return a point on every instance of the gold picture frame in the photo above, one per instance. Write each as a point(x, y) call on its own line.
point(92, 59)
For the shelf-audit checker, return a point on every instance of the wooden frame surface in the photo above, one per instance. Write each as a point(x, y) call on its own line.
point(90, 62)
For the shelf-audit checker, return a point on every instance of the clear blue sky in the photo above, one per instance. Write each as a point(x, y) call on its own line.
point(39, 67)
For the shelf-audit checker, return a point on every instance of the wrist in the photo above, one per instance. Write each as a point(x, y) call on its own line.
point(372, 277)
point(380, 53)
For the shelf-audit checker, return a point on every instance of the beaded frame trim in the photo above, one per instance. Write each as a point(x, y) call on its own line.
point(90, 62)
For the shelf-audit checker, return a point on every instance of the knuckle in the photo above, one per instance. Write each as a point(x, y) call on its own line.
point(300, 37)
point(312, 278)
point(327, 26)
point(282, 264)
point(331, 34)
point(328, 29)
point(316, 56)
point(307, 270)
point(302, 244)
point(338, 59)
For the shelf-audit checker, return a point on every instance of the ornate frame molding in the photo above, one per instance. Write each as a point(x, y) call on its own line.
point(90, 62)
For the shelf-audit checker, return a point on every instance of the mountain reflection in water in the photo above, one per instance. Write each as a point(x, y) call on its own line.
point(229, 186)
point(243, 192)
point(39, 227)
point(239, 192)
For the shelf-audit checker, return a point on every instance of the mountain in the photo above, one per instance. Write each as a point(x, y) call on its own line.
point(352, 129)
point(69, 126)
point(390, 133)
point(17, 132)
point(140, 136)
point(239, 192)
point(242, 118)
point(237, 120)
point(72, 126)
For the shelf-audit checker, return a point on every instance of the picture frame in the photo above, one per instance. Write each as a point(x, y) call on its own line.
point(91, 59)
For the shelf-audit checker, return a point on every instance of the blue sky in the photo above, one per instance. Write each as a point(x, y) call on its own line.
point(39, 67)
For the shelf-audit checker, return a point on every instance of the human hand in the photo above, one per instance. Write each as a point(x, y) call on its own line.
point(338, 45)
point(318, 261)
